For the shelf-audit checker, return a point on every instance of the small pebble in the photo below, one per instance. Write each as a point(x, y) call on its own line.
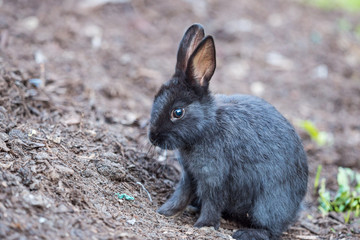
point(321, 72)
point(42, 220)
point(36, 200)
point(131, 221)
point(42, 156)
point(3, 146)
point(257, 88)
point(4, 136)
point(30, 23)
point(64, 170)
point(36, 82)
point(277, 60)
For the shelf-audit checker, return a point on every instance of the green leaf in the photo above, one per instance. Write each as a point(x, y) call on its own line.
point(357, 211)
point(341, 208)
point(347, 217)
point(321, 138)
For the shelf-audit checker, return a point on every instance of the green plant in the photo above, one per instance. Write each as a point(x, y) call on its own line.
point(349, 5)
point(321, 138)
point(347, 197)
point(317, 178)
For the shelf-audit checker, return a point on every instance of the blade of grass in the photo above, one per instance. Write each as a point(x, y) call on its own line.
point(317, 178)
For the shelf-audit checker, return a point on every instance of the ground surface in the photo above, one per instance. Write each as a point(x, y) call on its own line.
point(68, 145)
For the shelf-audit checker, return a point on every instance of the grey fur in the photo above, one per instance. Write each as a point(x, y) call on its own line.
point(241, 159)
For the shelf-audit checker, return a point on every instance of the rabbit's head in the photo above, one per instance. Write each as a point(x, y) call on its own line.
point(183, 107)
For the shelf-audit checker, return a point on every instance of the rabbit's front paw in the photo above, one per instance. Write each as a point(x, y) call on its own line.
point(168, 209)
point(207, 223)
point(256, 234)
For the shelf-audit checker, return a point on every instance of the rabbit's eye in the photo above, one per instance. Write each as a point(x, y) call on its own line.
point(177, 113)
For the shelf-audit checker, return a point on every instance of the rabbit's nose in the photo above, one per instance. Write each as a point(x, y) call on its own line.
point(152, 137)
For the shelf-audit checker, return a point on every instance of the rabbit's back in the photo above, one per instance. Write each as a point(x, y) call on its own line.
point(257, 128)
point(267, 164)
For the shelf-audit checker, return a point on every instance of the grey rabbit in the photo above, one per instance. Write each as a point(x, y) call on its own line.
point(241, 159)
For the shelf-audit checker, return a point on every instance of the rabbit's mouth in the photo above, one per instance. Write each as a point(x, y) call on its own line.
point(164, 142)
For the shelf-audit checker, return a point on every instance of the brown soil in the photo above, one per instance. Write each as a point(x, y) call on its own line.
point(70, 144)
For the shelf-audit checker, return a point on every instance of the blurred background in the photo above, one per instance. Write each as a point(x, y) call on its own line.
point(96, 65)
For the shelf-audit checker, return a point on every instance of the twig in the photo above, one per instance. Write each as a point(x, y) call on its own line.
point(145, 190)
point(313, 228)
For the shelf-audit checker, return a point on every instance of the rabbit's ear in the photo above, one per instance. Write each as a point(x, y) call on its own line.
point(188, 44)
point(202, 63)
